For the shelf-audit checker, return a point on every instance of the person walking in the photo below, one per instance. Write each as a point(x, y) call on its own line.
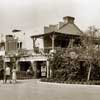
point(14, 75)
point(7, 74)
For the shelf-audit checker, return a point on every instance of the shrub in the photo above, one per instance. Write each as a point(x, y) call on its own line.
point(64, 68)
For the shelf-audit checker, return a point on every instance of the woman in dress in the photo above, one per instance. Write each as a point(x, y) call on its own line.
point(14, 75)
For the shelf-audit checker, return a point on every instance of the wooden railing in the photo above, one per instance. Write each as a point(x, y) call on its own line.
point(45, 51)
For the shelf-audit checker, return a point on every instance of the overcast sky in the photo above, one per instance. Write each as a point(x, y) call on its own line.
point(32, 15)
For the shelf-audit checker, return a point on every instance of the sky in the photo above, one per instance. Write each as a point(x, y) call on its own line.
point(31, 16)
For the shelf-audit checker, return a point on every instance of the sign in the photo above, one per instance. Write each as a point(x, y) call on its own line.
point(73, 55)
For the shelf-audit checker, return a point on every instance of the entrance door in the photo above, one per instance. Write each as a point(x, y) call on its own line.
point(41, 69)
point(38, 70)
point(24, 66)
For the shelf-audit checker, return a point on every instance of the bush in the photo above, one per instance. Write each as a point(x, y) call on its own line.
point(65, 69)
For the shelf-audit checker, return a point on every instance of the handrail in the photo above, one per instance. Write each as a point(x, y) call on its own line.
point(46, 51)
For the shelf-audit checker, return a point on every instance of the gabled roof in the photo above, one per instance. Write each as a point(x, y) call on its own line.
point(67, 27)
point(70, 29)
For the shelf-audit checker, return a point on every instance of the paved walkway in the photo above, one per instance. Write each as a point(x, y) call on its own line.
point(36, 90)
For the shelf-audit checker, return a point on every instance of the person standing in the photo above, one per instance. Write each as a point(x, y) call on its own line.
point(14, 75)
point(2, 74)
point(7, 74)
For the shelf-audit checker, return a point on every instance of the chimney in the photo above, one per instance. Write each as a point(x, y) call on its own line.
point(61, 24)
point(46, 29)
point(52, 27)
point(9, 37)
point(68, 19)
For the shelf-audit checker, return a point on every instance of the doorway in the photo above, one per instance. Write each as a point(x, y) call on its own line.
point(40, 69)
point(24, 66)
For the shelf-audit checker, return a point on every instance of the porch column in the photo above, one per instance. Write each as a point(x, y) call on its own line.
point(53, 41)
point(48, 69)
point(71, 43)
point(51, 73)
point(33, 63)
point(17, 66)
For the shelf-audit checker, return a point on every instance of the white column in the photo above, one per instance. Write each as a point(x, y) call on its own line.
point(50, 73)
point(48, 69)
point(16, 62)
point(17, 65)
point(33, 63)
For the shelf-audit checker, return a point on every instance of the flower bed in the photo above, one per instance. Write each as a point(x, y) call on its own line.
point(96, 82)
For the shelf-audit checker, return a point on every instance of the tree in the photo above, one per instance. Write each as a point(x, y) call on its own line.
point(89, 45)
point(63, 67)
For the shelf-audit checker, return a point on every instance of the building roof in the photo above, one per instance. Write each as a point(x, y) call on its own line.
point(70, 29)
point(67, 27)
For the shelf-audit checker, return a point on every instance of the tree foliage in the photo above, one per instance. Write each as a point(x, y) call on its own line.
point(86, 66)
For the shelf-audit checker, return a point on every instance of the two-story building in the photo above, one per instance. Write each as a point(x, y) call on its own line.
point(65, 34)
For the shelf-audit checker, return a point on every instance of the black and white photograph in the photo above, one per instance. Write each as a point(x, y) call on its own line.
point(49, 49)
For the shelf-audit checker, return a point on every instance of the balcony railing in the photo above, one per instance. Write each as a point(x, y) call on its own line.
point(45, 51)
point(37, 51)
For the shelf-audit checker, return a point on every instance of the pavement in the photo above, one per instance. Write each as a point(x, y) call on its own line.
point(33, 89)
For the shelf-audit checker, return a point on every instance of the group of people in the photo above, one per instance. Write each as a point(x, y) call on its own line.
point(8, 74)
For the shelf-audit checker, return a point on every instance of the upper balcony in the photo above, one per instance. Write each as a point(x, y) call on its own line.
point(46, 51)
